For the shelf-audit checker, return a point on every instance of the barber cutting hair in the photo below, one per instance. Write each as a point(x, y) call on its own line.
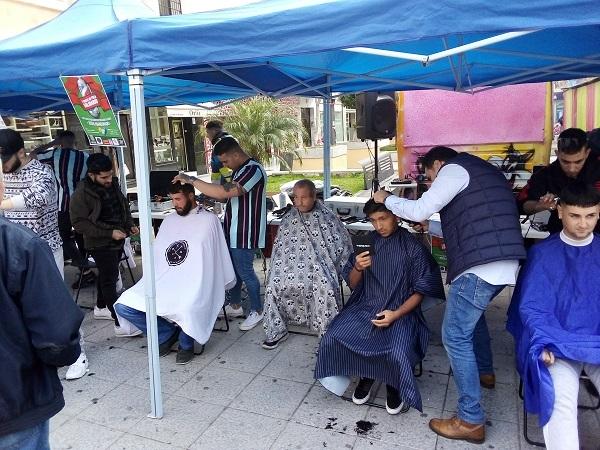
point(480, 223)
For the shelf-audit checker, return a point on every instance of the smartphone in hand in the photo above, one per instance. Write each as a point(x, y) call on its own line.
point(362, 243)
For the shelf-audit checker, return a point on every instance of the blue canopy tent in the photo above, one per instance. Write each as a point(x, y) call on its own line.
point(95, 34)
point(311, 47)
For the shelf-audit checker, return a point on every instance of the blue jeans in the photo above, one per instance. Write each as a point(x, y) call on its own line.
point(35, 438)
point(243, 263)
point(166, 329)
point(467, 341)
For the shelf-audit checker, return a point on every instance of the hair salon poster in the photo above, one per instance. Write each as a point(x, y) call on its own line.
point(93, 109)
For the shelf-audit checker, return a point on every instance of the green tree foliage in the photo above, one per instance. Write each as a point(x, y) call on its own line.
point(265, 128)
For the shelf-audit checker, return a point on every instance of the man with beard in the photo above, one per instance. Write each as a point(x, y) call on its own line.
point(190, 246)
point(30, 191)
point(31, 200)
point(100, 212)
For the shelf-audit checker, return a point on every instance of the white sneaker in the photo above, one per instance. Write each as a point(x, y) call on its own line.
point(78, 369)
point(251, 321)
point(232, 312)
point(102, 314)
point(123, 332)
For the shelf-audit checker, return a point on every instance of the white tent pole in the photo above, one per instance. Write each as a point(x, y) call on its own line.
point(140, 146)
point(426, 59)
point(477, 44)
point(327, 122)
point(121, 163)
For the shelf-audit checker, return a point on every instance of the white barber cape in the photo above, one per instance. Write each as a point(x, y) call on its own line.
point(193, 269)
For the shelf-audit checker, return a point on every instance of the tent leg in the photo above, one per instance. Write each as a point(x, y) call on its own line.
point(327, 124)
point(140, 145)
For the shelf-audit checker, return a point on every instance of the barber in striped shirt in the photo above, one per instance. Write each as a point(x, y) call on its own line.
point(245, 220)
point(68, 165)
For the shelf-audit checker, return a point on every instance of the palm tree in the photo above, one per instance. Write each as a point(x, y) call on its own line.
point(265, 129)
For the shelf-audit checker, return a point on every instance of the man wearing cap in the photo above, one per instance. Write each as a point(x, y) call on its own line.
point(31, 195)
point(245, 220)
point(31, 200)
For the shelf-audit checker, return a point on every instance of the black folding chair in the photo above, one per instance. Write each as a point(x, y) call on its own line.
point(87, 264)
point(224, 330)
point(530, 441)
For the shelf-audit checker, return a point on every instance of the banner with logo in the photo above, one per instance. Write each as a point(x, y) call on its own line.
point(93, 109)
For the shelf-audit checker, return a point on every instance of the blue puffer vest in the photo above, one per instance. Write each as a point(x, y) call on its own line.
point(481, 224)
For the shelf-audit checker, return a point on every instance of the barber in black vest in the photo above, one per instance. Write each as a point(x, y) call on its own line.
point(480, 223)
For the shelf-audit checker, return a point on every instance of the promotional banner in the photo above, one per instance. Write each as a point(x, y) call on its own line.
point(93, 110)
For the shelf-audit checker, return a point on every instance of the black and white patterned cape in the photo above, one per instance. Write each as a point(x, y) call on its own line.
point(309, 253)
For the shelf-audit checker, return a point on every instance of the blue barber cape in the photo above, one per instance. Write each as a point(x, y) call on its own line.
point(556, 305)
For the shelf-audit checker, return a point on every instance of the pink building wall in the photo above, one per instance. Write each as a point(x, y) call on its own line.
point(484, 123)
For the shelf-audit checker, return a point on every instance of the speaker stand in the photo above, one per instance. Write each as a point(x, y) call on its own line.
point(375, 182)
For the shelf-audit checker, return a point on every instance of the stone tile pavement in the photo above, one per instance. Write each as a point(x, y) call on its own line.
point(238, 396)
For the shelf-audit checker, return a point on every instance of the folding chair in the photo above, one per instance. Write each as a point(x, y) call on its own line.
point(87, 264)
point(525, 431)
point(226, 322)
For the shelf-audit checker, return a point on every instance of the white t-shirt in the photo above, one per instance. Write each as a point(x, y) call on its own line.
point(451, 180)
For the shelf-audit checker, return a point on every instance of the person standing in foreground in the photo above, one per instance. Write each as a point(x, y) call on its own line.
point(245, 220)
point(32, 201)
point(483, 240)
point(101, 213)
point(39, 323)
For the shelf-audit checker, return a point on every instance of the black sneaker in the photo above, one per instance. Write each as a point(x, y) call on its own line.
point(184, 356)
point(88, 279)
point(199, 352)
point(393, 403)
point(270, 345)
point(165, 348)
point(362, 393)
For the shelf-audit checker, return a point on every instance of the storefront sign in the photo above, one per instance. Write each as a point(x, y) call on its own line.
point(93, 110)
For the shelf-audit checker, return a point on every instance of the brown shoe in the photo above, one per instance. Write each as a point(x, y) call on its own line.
point(487, 381)
point(454, 428)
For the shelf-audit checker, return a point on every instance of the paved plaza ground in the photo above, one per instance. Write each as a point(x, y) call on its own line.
point(239, 396)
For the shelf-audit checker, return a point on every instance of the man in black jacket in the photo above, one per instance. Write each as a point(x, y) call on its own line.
point(39, 323)
point(574, 162)
point(100, 212)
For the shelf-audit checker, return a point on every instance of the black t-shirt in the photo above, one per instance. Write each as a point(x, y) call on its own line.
point(552, 179)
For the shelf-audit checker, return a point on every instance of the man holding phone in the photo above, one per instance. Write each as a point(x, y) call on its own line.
point(381, 333)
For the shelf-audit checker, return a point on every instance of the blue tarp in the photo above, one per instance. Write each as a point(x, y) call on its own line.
point(284, 47)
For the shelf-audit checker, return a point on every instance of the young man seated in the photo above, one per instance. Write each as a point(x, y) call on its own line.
point(310, 251)
point(381, 333)
point(192, 270)
point(555, 317)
